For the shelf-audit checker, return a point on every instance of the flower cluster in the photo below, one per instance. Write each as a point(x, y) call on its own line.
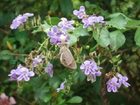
point(5, 100)
point(87, 20)
point(116, 82)
point(20, 19)
point(59, 33)
point(91, 70)
point(49, 69)
point(65, 25)
point(37, 60)
point(81, 13)
point(21, 73)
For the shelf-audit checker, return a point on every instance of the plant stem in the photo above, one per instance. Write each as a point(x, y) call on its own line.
point(103, 93)
point(42, 45)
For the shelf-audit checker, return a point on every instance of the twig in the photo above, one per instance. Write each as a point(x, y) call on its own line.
point(103, 93)
point(42, 45)
point(18, 54)
point(3, 31)
point(24, 100)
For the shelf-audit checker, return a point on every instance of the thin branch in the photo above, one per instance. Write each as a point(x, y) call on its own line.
point(18, 54)
point(3, 31)
point(24, 100)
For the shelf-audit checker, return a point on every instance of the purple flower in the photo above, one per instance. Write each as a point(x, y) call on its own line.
point(56, 35)
point(62, 86)
point(19, 20)
point(81, 13)
point(87, 21)
point(123, 80)
point(113, 85)
point(59, 33)
point(37, 60)
point(13, 75)
point(99, 19)
point(49, 69)
point(91, 70)
point(21, 73)
point(65, 25)
point(92, 20)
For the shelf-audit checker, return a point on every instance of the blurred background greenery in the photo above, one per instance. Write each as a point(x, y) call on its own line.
point(14, 45)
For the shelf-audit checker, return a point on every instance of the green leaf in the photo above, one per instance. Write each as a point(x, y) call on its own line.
point(54, 5)
point(52, 20)
point(96, 35)
point(133, 23)
point(117, 39)
point(104, 38)
point(66, 6)
point(46, 27)
point(54, 82)
point(42, 92)
point(61, 101)
point(80, 31)
point(5, 55)
point(46, 98)
point(137, 36)
point(118, 14)
point(73, 39)
point(118, 21)
point(38, 29)
point(75, 99)
point(21, 37)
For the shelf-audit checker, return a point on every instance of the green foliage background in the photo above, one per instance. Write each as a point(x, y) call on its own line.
point(15, 45)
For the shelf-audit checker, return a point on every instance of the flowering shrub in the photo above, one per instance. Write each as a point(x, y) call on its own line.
point(83, 48)
point(59, 35)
